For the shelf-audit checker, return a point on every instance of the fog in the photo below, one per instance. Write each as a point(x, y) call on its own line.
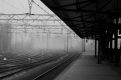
point(33, 42)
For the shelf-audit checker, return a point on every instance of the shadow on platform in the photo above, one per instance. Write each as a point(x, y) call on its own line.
point(86, 68)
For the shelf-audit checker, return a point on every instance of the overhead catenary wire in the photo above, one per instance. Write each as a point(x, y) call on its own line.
point(49, 13)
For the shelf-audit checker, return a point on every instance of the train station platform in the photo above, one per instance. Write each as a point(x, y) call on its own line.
point(86, 68)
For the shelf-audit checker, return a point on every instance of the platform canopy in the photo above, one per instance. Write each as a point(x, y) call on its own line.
point(88, 18)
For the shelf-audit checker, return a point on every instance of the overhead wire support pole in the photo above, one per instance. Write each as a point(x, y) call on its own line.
point(30, 2)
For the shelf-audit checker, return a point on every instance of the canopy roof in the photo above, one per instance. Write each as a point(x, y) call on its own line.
point(87, 17)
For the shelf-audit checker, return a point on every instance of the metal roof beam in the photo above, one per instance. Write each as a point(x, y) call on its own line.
point(73, 4)
point(106, 4)
point(82, 10)
point(78, 16)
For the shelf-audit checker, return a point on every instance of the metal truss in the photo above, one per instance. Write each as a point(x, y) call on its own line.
point(27, 17)
point(27, 21)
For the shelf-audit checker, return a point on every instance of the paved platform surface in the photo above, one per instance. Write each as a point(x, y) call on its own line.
point(86, 68)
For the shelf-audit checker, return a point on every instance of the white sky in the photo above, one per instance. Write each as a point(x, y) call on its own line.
point(21, 6)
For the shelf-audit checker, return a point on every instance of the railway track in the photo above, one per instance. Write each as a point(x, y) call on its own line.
point(17, 69)
point(60, 61)
point(67, 60)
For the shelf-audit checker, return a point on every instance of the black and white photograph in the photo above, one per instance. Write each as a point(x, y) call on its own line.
point(60, 39)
